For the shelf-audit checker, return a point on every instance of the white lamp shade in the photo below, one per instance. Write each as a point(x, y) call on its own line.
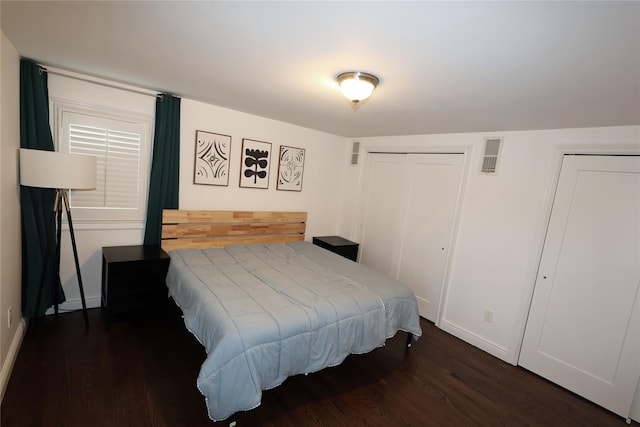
point(50, 169)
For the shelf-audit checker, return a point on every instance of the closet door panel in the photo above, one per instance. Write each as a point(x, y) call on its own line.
point(385, 188)
point(583, 330)
point(410, 204)
point(433, 183)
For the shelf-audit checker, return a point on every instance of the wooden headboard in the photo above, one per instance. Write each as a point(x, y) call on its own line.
point(201, 229)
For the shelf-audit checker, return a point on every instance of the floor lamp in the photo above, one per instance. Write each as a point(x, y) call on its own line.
point(62, 172)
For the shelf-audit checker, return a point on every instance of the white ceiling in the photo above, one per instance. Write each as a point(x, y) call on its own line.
point(444, 66)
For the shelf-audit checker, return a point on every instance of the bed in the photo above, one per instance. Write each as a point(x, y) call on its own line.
point(266, 304)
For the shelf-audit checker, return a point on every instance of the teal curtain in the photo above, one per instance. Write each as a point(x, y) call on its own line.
point(165, 168)
point(36, 204)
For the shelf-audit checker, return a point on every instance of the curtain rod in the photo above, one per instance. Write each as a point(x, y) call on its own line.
point(103, 82)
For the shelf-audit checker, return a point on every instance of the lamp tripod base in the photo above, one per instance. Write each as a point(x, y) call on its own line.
point(56, 223)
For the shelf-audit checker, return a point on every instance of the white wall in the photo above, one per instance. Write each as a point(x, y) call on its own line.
point(325, 162)
point(91, 237)
point(501, 223)
point(10, 240)
point(323, 172)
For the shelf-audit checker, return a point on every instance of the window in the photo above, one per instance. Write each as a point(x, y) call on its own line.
point(120, 141)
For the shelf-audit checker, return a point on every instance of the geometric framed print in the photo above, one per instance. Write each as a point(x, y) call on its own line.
point(290, 168)
point(212, 158)
point(255, 164)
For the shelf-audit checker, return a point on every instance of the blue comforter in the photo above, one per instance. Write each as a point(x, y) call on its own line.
point(268, 311)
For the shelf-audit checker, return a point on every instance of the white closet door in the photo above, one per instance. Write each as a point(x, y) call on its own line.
point(583, 331)
point(409, 209)
point(385, 190)
point(433, 183)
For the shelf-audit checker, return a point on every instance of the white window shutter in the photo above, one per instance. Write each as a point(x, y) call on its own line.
point(119, 147)
point(118, 166)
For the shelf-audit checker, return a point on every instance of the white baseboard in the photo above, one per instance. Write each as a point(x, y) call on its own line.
point(475, 340)
point(12, 355)
point(75, 304)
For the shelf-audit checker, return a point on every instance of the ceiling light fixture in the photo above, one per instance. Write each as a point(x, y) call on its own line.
point(357, 86)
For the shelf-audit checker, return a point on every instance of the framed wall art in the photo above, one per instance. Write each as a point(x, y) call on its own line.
point(290, 168)
point(212, 158)
point(255, 164)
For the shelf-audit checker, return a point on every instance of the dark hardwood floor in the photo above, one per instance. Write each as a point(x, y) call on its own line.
point(142, 372)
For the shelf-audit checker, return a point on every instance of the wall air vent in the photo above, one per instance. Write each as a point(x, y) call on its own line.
point(355, 151)
point(490, 158)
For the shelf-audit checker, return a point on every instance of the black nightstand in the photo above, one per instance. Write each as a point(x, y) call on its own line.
point(133, 279)
point(338, 245)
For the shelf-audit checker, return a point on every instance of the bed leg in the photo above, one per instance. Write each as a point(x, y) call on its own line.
point(409, 339)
